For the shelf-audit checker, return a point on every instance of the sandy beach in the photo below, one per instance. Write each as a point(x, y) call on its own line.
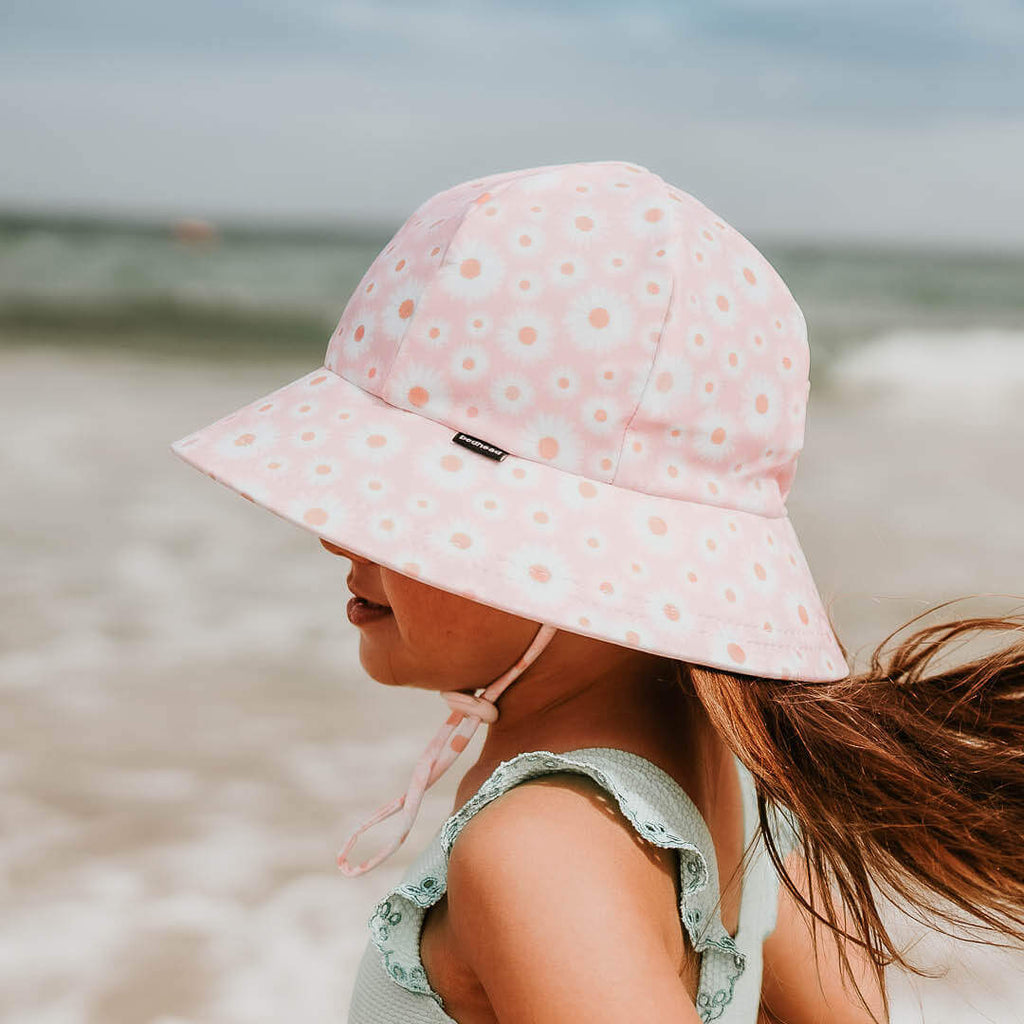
point(175, 790)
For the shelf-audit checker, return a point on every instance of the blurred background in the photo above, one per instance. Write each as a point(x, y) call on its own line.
point(188, 194)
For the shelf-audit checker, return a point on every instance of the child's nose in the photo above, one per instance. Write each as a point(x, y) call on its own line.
point(344, 552)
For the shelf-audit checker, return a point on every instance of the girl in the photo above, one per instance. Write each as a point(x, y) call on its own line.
point(554, 432)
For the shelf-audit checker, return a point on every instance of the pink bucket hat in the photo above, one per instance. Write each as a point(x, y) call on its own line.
point(570, 392)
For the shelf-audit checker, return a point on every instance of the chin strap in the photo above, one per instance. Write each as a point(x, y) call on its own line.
point(468, 712)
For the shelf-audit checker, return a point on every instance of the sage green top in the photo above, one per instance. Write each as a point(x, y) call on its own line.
point(392, 988)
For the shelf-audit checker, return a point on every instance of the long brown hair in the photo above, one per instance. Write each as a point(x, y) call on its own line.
point(905, 779)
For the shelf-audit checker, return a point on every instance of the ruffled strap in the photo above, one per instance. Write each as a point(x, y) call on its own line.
point(649, 799)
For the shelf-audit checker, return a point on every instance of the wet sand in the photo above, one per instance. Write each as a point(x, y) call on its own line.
point(187, 736)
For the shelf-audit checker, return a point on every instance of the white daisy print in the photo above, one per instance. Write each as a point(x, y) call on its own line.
point(650, 216)
point(477, 325)
point(542, 518)
point(602, 415)
point(400, 306)
point(526, 239)
point(714, 439)
point(460, 538)
point(566, 270)
point(583, 226)
point(373, 487)
point(751, 277)
point(302, 407)
point(512, 393)
point(651, 525)
point(249, 439)
point(525, 285)
point(320, 511)
point(450, 467)
point(374, 440)
point(732, 360)
point(563, 381)
point(653, 288)
point(322, 472)
point(422, 504)
point(700, 341)
point(668, 608)
point(469, 363)
point(540, 573)
point(720, 301)
point(308, 437)
point(433, 333)
point(419, 387)
point(515, 474)
point(472, 269)
point(761, 404)
point(581, 495)
point(387, 526)
point(599, 320)
point(669, 385)
point(619, 261)
point(358, 337)
point(490, 505)
point(553, 439)
point(526, 336)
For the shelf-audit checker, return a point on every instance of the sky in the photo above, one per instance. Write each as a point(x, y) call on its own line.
point(884, 120)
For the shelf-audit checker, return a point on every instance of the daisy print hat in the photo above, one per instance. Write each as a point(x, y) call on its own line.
point(571, 392)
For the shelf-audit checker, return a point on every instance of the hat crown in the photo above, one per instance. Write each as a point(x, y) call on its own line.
point(595, 318)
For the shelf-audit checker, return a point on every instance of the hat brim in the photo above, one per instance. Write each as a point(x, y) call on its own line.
point(680, 579)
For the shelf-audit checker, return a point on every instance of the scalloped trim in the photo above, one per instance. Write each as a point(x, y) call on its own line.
point(405, 905)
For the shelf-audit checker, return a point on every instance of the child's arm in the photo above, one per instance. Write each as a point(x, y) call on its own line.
point(792, 990)
point(561, 912)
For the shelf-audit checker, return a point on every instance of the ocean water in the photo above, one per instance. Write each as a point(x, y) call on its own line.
point(186, 734)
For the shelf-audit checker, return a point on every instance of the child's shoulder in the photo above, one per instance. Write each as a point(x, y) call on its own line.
point(557, 851)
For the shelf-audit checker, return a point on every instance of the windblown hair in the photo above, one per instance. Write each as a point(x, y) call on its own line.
point(905, 779)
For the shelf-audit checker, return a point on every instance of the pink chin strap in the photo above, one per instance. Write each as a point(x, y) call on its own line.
point(467, 713)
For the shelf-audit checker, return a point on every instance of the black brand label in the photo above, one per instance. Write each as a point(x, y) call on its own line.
point(476, 445)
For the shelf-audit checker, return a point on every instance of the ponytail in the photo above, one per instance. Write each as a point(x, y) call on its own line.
point(905, 779)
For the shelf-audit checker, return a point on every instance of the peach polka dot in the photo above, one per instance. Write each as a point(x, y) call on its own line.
point(524, 285)
point(606, 464)
point(308, 435)
point(399, 264)
point(374, 485)
point(730, 595)
point(316, 380)
point(461, 540)
point(511, 392)
point(600, 415)
point(609, 374)
point(472, 410)
point(712, 487)
point(606, 588)
point(632, 637)
point(599, 317)
point(419, 396)
point(761, 404)
point(376, 441)
point(584, 223)
point(540, 517)
point(592, 542)
point(525, 241)
point(709, 386)
point(722, 303)
point(244, 440)
point(673, 471)
point(733, 359)
point(541, 573)
point(698, 339)
point(451, 462)
point(360, 331)
point(490, 504)
point(387, 524)
point(519, 473)
point(323, 469)
point(737, 653)
point(434, 332)
point(435, 250)
point(657, 525)
point(652, 288)
point(711, 545)
point(787, 362)
point(767, 627)
point(411, 567)
point(422, 503)
point(563, 382)
point(270, 405)
point(468, 363)
point(470, 268)
point(587, 489)
point(653, 215)
point(527, 335)
point(568, 268)
point(717, 435)
point(802, 612)
point(759, 571)
point(369, 288)
point(584, 621)
point(548, 447)
point(273, 465)
point(663, 382)
point(671, 612)
point(638, 446)
point(304, 407)
point(315, 516)
point(748, 274)
point(692, 577)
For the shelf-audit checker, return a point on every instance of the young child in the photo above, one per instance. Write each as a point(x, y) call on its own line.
point(554, 432)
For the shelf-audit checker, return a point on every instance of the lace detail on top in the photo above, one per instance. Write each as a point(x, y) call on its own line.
point(658, 809)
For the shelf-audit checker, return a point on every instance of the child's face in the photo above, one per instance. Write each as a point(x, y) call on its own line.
point(433, 639)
